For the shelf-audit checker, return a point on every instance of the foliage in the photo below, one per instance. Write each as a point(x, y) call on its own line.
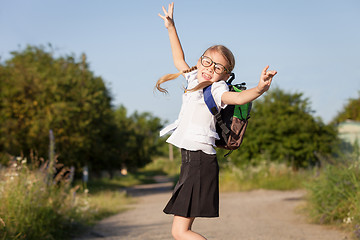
point(41, 92)
point(351, 111)
point(264, 175)
point(34, 208)
point(282, 128)
point(106, 203)
point(334, 197)
point(138, 137)
point(163, 166)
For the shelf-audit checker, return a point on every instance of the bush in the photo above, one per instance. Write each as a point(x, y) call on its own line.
point(334, 197)
point(36, 205)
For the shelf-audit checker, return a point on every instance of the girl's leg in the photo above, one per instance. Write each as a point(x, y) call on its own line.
point(191, 222)
point(181, 229)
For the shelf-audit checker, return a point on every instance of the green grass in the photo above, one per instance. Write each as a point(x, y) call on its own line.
point(333, 190)
point(107, 203)
point(163, 166)
point(334, 196)
point(117, 183)
point(34, 206)
point(107, 197)
point(265, 175)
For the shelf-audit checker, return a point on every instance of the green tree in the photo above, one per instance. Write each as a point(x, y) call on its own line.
point(351, 111)
point(147, 137)
point(282, 128)
point(139, 137)
point(40, 92)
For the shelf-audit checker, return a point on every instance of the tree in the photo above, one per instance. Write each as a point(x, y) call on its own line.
point(351, 111)
point(147, 137)
point(139, 137)
point(40, 92)
point(281, 128)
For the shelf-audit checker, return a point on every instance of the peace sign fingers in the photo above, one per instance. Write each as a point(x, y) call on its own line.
point(171, 10)
point(168, 15)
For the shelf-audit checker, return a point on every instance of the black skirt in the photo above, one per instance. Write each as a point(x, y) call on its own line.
point(196, 194)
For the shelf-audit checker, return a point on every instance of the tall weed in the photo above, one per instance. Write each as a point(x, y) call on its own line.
point(34, 206)
point(334, 197)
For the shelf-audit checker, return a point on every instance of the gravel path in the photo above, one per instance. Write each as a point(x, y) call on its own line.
point(255, 215)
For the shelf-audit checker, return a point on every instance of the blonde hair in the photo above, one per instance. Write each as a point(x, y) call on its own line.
point(224, 51)
point(171, 76)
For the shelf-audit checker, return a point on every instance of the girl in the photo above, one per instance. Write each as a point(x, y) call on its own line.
point(196, 194)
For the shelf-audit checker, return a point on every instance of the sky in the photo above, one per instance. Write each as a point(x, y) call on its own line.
point(313, 44)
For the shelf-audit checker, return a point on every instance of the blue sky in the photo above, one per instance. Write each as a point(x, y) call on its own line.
point(313, 44)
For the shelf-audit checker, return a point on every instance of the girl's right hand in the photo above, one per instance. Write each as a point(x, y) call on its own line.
point(266, 78)
point(168, 16)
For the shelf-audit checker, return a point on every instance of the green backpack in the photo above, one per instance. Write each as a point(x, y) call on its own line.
point(231, 122)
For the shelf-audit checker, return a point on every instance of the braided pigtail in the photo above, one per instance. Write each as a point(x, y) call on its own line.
point(169, 77)
point(190, 69)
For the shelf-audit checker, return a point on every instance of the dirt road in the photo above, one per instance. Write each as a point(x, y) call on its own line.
point(255, 215)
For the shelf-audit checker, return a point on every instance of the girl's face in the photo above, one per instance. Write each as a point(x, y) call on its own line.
point(212, 66)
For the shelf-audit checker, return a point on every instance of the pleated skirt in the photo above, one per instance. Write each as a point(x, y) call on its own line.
point(196, 194)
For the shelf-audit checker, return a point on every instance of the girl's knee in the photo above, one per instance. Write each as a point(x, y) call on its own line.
point(177, 233)
point(181, 227)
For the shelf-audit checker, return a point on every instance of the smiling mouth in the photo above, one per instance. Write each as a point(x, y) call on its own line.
point(206, 76)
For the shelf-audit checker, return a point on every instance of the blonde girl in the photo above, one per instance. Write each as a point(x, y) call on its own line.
point(196, 194)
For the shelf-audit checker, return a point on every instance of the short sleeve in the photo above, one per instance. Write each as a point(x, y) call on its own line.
point(217, 90)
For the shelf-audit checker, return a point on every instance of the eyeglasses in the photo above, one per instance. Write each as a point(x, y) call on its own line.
point(218, 68)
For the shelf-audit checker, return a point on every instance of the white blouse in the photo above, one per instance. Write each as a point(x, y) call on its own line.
point(195, 127)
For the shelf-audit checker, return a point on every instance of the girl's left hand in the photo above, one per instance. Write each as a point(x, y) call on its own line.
point(266, 79)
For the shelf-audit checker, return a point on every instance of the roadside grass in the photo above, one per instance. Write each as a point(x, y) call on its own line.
point(117, 183)
point(107, 196)
point(333, 191)
point(264, 175)
point(334, 197)
point(163, 166)
point(107, 203)
point(166, 167)
point(32, 207)
point(36, 204)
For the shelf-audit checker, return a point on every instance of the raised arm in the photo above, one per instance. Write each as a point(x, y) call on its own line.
point(239, 98)
point(176, 49)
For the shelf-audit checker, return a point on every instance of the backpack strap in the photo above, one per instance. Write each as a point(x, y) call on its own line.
point(209, 100)
point(210, 103)
point(232, 77)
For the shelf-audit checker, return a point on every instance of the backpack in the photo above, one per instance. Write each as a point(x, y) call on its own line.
point(231, 122)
